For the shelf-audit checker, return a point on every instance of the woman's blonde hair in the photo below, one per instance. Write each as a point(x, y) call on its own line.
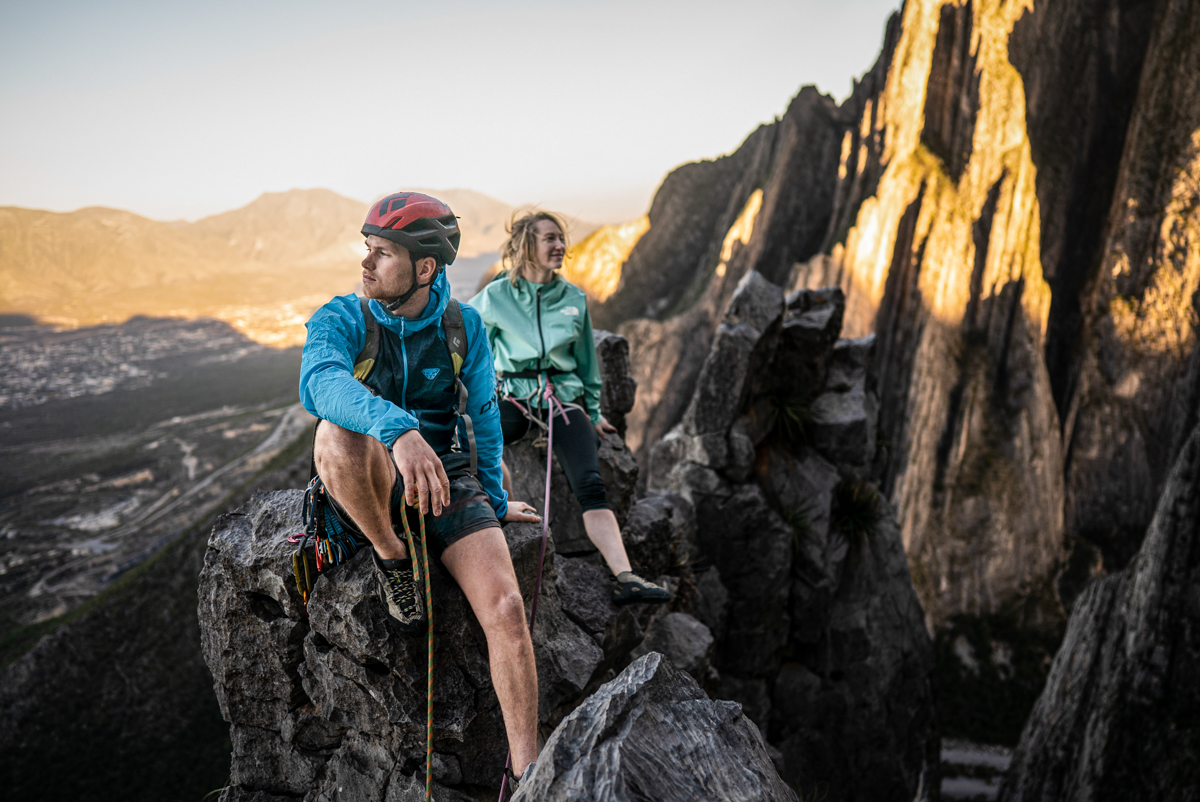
point(520, 249)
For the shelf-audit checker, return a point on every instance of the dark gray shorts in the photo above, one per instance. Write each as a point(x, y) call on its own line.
point(470, 509)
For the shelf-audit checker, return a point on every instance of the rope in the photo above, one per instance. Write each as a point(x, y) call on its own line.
point(429, 646)
point(555, 406)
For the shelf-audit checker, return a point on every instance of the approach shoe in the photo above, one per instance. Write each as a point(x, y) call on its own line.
point(401, 598)
point(514, 783)
point(632, 589)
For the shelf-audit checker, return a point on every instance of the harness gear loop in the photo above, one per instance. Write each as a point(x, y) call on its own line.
point(330, 546)
point(408, 535)
point(555, 406)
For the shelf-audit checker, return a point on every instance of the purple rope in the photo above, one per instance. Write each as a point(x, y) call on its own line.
point(552, 400)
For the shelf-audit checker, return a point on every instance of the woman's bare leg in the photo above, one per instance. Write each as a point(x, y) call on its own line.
point(605, 534)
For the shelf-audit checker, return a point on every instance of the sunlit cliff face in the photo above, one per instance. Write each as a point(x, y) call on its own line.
point(595, 264)
point(924, 148)
point(1155, 312)
point(943, 263)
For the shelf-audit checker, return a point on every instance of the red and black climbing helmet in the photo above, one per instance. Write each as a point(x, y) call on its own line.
point(417, 222)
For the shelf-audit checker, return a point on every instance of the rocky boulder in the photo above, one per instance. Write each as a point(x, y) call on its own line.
point(618, 389)
point(1120, 715)
point(328, 697)
point(328, 700)
point(801, 574)
point(651, 733)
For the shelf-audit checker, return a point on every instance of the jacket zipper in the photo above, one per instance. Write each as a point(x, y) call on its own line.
point(404, 359)
point(541, 337)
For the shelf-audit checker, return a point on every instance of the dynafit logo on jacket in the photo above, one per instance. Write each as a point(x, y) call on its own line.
point(431, 373)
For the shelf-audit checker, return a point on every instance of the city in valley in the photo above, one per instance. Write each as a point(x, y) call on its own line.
point(117, 439)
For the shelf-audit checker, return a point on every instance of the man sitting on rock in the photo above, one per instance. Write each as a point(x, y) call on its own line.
point(388, 439)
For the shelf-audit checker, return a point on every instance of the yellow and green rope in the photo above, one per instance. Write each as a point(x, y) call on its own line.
point(429, 647)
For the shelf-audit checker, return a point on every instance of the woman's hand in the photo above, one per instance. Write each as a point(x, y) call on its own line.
point(604, 428)
point(520, 511)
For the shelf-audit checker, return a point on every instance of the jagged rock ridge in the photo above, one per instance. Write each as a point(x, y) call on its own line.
point(822, 638)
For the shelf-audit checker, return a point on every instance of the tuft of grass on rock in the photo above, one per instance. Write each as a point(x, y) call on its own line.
point(798, 518)
point(792, 417)
point(856, 508)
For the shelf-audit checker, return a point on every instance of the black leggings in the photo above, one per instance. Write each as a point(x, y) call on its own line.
point(576, 447)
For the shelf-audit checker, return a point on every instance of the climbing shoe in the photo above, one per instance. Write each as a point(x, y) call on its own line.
point(514, 782)
point(398, 591)
point(632, 589)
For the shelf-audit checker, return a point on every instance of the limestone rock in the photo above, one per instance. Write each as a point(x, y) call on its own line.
point(527, 464)
point(811, 327)
point(864, 674)
point(686, 642)
point(760, 209)
point(720, 391)
point(819, 633)
point(618, 388)
point(843, 425)
point(712, 601)
point(751, 547)
point(652, 734)
point(331, 698)
point(658, 533)
point(1117, 717)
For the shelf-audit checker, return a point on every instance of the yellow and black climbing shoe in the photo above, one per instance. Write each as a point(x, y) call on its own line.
point(632, 589)
point(397, 582)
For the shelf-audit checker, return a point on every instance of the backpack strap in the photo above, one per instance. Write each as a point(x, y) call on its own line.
point(365, 361)
point(456, 344)
point(456, 334)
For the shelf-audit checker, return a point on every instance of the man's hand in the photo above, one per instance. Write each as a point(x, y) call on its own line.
point(604, 428)
point(520, 511)
point(424, 477)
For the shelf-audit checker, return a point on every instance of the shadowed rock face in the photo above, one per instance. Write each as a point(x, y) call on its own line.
point(818, 631)
point(652, 734)
point(1126, 383)
point(1120, 715)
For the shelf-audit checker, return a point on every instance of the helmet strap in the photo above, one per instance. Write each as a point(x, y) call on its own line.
point(400, 301)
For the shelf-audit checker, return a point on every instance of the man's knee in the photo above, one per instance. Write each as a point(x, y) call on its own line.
point(333, 445)
point(508, 612)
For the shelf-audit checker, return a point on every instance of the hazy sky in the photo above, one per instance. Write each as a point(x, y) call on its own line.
point(179, 110)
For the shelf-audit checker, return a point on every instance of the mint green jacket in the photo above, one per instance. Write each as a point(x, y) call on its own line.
point(538, 326)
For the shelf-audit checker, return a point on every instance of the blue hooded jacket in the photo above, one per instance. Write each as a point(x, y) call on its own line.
point(328, 389)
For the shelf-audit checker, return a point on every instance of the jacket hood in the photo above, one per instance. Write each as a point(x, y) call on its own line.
point(439, 297)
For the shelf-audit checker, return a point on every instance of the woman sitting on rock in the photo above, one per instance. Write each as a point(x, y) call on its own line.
point(541, 337)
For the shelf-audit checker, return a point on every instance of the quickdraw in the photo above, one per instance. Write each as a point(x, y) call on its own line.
point(329, 541)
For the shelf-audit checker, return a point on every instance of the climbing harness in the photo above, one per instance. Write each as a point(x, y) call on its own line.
point(324, 535)
point(553, 404)
point(554, 407)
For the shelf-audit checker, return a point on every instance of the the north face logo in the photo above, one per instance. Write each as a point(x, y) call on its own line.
point(431, 373)
point(570, 311)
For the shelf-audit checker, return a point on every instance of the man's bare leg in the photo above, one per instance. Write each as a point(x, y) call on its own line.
point(481, 565)
point(358, 471)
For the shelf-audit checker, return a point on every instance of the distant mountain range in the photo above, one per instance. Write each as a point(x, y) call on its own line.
point(263, 267)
